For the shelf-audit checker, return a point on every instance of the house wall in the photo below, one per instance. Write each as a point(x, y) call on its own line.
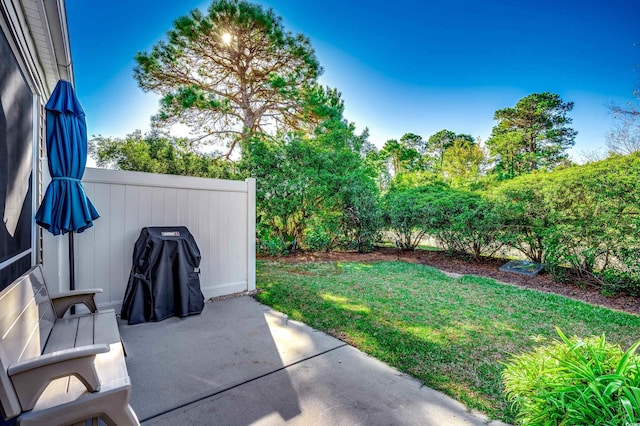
point(219, 213)
point(35, 54)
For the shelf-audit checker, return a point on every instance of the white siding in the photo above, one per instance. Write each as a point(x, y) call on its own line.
point(220, 214)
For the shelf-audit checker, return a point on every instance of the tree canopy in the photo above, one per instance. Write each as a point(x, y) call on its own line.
point(231, 72)
point(439, 142)
point(157, 153)
point(401, 156)
point(462, 162)
point(624, 138)
point(532, 135)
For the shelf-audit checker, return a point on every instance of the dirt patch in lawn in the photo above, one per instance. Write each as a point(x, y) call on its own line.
point(485, 267)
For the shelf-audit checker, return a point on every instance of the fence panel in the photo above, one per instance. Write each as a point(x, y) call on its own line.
point(219, 213)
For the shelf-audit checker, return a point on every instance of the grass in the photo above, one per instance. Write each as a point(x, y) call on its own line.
point(452, 334)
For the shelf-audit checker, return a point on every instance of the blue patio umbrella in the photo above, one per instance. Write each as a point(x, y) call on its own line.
point(65, 207)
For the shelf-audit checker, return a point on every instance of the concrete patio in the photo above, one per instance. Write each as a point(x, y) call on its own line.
point(241, 363)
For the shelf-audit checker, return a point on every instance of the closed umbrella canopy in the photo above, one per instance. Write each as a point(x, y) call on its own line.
point(66, 207)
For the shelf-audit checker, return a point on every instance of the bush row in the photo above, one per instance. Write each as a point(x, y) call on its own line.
point(584, 220)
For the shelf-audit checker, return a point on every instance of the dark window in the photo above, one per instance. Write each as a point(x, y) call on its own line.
point(16, 164)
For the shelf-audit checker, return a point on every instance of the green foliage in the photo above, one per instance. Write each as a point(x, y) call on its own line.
point(416, 179)
point(406, 213)
point(286, 189)
point(321, 235)
point(461, 220)
point(413, 141)
point(446, 155)
point(583, 222)
point(526, 218)
point(598, 215)
point(270, 244)
point(378, 163)
point(302, 181)
point(585, 218)
point(245, 74)
point(461, 163)
point(531, 136)
point(401, 158)
point(575, 382)
point(155, 153)
point(438, 144)
point(361, 220)
point(626, 276)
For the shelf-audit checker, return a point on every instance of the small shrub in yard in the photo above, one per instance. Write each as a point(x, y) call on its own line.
point(320, 237)
point(269, 243)
point(465, 222)
point(626, 277)
point(361, 218)
point(406, 213)
point(575, 382)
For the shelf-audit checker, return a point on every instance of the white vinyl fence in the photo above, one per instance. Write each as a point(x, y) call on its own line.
point(219, 213)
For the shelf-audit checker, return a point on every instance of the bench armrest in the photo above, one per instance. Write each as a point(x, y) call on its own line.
point(31, 377)
point(63, 301)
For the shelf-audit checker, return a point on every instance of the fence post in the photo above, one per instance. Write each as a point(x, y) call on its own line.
point(251, 234)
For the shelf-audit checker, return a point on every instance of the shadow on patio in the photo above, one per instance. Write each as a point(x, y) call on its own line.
point(241, 363)
point(178, 361)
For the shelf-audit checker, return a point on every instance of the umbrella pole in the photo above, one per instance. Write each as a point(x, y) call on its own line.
point(72, 269)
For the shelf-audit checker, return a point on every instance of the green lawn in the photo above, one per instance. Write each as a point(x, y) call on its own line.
point(452, 334)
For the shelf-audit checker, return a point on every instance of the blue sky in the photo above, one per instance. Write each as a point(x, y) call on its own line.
point(402, 66)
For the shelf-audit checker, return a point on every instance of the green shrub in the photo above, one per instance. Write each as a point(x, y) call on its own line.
point(320, 237)
point(585, 218)
point(361, 219)
point(406, 212)
point(464, 221)
point(596, 214)
point(301, 178)
point(269, 243)
point(526, 217)
point(615, 281)
point(626, 277)
point(575, 382)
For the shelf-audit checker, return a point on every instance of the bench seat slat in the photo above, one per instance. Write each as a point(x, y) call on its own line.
point(101, 327)
point(85, 331)
point(63, 336)
point(106, 327)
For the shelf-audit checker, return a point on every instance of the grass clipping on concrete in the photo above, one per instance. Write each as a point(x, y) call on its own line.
point(452, 334)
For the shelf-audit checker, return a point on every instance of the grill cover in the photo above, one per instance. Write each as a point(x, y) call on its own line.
point(165, 276)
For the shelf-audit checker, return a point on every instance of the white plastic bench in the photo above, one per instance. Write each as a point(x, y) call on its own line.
point(57, 370)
